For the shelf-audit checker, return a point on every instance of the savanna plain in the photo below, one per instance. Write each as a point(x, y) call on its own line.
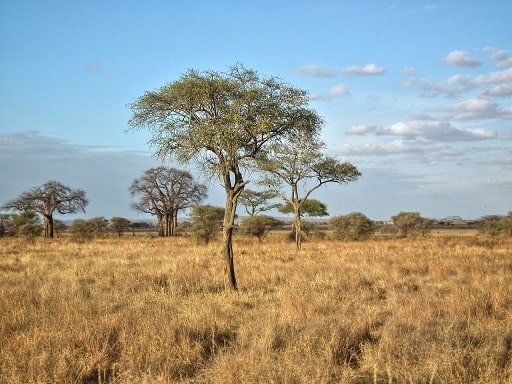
point(145, 309)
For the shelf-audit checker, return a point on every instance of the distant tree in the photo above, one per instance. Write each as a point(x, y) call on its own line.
point(354, 226)
point(80, 230)
point(309, 208)
point(411, 224)
point(163, 192)
point(119, 225)
point(259, 225)
point(58, 227)
point(223, 121)
point(26, 224)
point(98, 226)
point(4, 224)
point(495, 225)
point(206, 222)
point(48, 198)
point(256, 202)
point(299, 163)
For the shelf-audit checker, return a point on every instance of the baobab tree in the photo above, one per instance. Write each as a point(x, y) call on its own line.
point(163, 192)
point(49, 198)
point(223, 121)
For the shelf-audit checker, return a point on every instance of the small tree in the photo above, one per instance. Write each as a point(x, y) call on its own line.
point(26, 224)
point(98, 226)
point(298, 163)
point(411, 224)
point(256, 202)
point(48, 198)
point(495, 225)
point(80, 230)
point(354, 226)
point(206, 222)
point(259, 225)
point(119, 225)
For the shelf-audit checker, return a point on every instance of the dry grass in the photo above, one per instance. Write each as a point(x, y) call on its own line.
point(153, 310)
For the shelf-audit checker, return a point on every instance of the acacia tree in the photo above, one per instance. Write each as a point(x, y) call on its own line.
point(256, 202)
point(299, 165)
point(164, 192)
point(48, 198)
point(222, 121)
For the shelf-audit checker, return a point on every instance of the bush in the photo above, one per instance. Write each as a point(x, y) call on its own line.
point(259, 225)
point(206, 222)
point(411, 224)
point(354, 226)
point(495, 225)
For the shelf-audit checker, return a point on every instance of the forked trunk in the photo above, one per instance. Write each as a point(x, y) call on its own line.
point(227, 241)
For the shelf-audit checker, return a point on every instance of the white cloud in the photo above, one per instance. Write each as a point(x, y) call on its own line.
point(476, 109)
point(450, 87)
point(336, 91)
point(367, 70)
point(461, 59)
point(500, 56)
point(492, 78)
point(408, 71)
point(362, 129)
point(427, 129)
point(500, 90)
point(316, 71)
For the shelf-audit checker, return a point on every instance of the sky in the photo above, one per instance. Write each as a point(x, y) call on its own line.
point(416, 94)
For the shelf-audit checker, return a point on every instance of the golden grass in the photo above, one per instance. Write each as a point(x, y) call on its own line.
point(154, 310)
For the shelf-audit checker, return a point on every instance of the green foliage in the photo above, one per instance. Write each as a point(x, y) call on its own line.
point(310, 207)
point(82, 230)
point(259, 225)
point(257, 201)
point(119, 225)
point(354, 226)
point(27, 224)
point(411, 224)
point(206, 222)
point(495, 225)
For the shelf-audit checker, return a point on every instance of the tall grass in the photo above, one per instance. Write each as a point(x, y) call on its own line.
point(154, 310)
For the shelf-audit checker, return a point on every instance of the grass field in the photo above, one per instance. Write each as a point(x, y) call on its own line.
point(154, 310)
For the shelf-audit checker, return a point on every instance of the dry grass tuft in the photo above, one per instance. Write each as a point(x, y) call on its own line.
point(154, 310)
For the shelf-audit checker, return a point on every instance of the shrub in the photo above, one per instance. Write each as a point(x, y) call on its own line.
point(411, 224)
point(354, 226)
point(206, 222)
point(259, 225)
point(495, 225)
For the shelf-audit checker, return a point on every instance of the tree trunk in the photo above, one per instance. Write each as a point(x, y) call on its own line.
point(48, 226)
point(298, 231)
point(232, 193)
point(227, 240)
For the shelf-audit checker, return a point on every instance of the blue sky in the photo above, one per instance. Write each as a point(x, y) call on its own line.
point(416, 94)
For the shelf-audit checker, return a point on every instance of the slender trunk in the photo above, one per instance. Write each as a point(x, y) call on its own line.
point(232, 193)
point(298, 231)
point(227, 240)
